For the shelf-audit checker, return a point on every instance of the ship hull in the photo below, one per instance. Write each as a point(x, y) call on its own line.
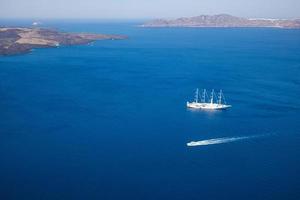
point(207, 106)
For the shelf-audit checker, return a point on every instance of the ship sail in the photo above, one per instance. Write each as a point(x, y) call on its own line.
point(211, 105)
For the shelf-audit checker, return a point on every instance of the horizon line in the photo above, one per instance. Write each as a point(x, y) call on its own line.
point(133, 18)
point(139, 18)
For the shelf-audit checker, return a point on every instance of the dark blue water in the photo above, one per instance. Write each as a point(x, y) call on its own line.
point(108, 120)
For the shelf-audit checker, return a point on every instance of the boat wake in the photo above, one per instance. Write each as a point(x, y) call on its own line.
point(220, 140)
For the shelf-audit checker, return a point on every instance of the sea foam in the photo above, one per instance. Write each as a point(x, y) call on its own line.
point(220, 140)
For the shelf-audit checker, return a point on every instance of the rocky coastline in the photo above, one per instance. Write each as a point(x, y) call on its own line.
point(223, 21)
point(19, 40)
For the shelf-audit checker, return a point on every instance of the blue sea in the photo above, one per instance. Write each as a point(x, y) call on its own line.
point(108, 120)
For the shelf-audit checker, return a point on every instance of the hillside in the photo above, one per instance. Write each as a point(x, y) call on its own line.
point(22, 40)
point(222, 20)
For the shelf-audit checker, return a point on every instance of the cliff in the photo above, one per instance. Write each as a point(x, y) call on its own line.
point(22, 40)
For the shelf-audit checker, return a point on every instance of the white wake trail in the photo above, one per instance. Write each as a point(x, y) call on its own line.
point(219, 140)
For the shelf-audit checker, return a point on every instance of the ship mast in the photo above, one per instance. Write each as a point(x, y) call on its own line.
point(197, 95)
point(203, 96)
point(220, 97)
point(212, 97)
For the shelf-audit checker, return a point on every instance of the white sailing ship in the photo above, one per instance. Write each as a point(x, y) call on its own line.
point(220, 103)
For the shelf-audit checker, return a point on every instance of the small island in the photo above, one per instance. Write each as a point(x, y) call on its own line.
point(23, 40)
point(222, 21)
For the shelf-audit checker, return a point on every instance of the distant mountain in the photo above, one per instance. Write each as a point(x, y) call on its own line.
point(223, 20)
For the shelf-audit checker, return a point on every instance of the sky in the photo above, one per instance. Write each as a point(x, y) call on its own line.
point(135, 9)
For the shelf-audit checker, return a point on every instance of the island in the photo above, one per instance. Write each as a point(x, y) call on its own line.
point(19, 40)
point(223, 20)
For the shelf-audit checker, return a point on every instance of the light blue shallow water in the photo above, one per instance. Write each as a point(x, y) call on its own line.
point(108, 120)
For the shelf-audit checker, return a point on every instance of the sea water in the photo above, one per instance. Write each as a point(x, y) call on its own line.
point(108, 120)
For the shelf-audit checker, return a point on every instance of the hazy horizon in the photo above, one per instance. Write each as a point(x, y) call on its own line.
point(142, 9)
